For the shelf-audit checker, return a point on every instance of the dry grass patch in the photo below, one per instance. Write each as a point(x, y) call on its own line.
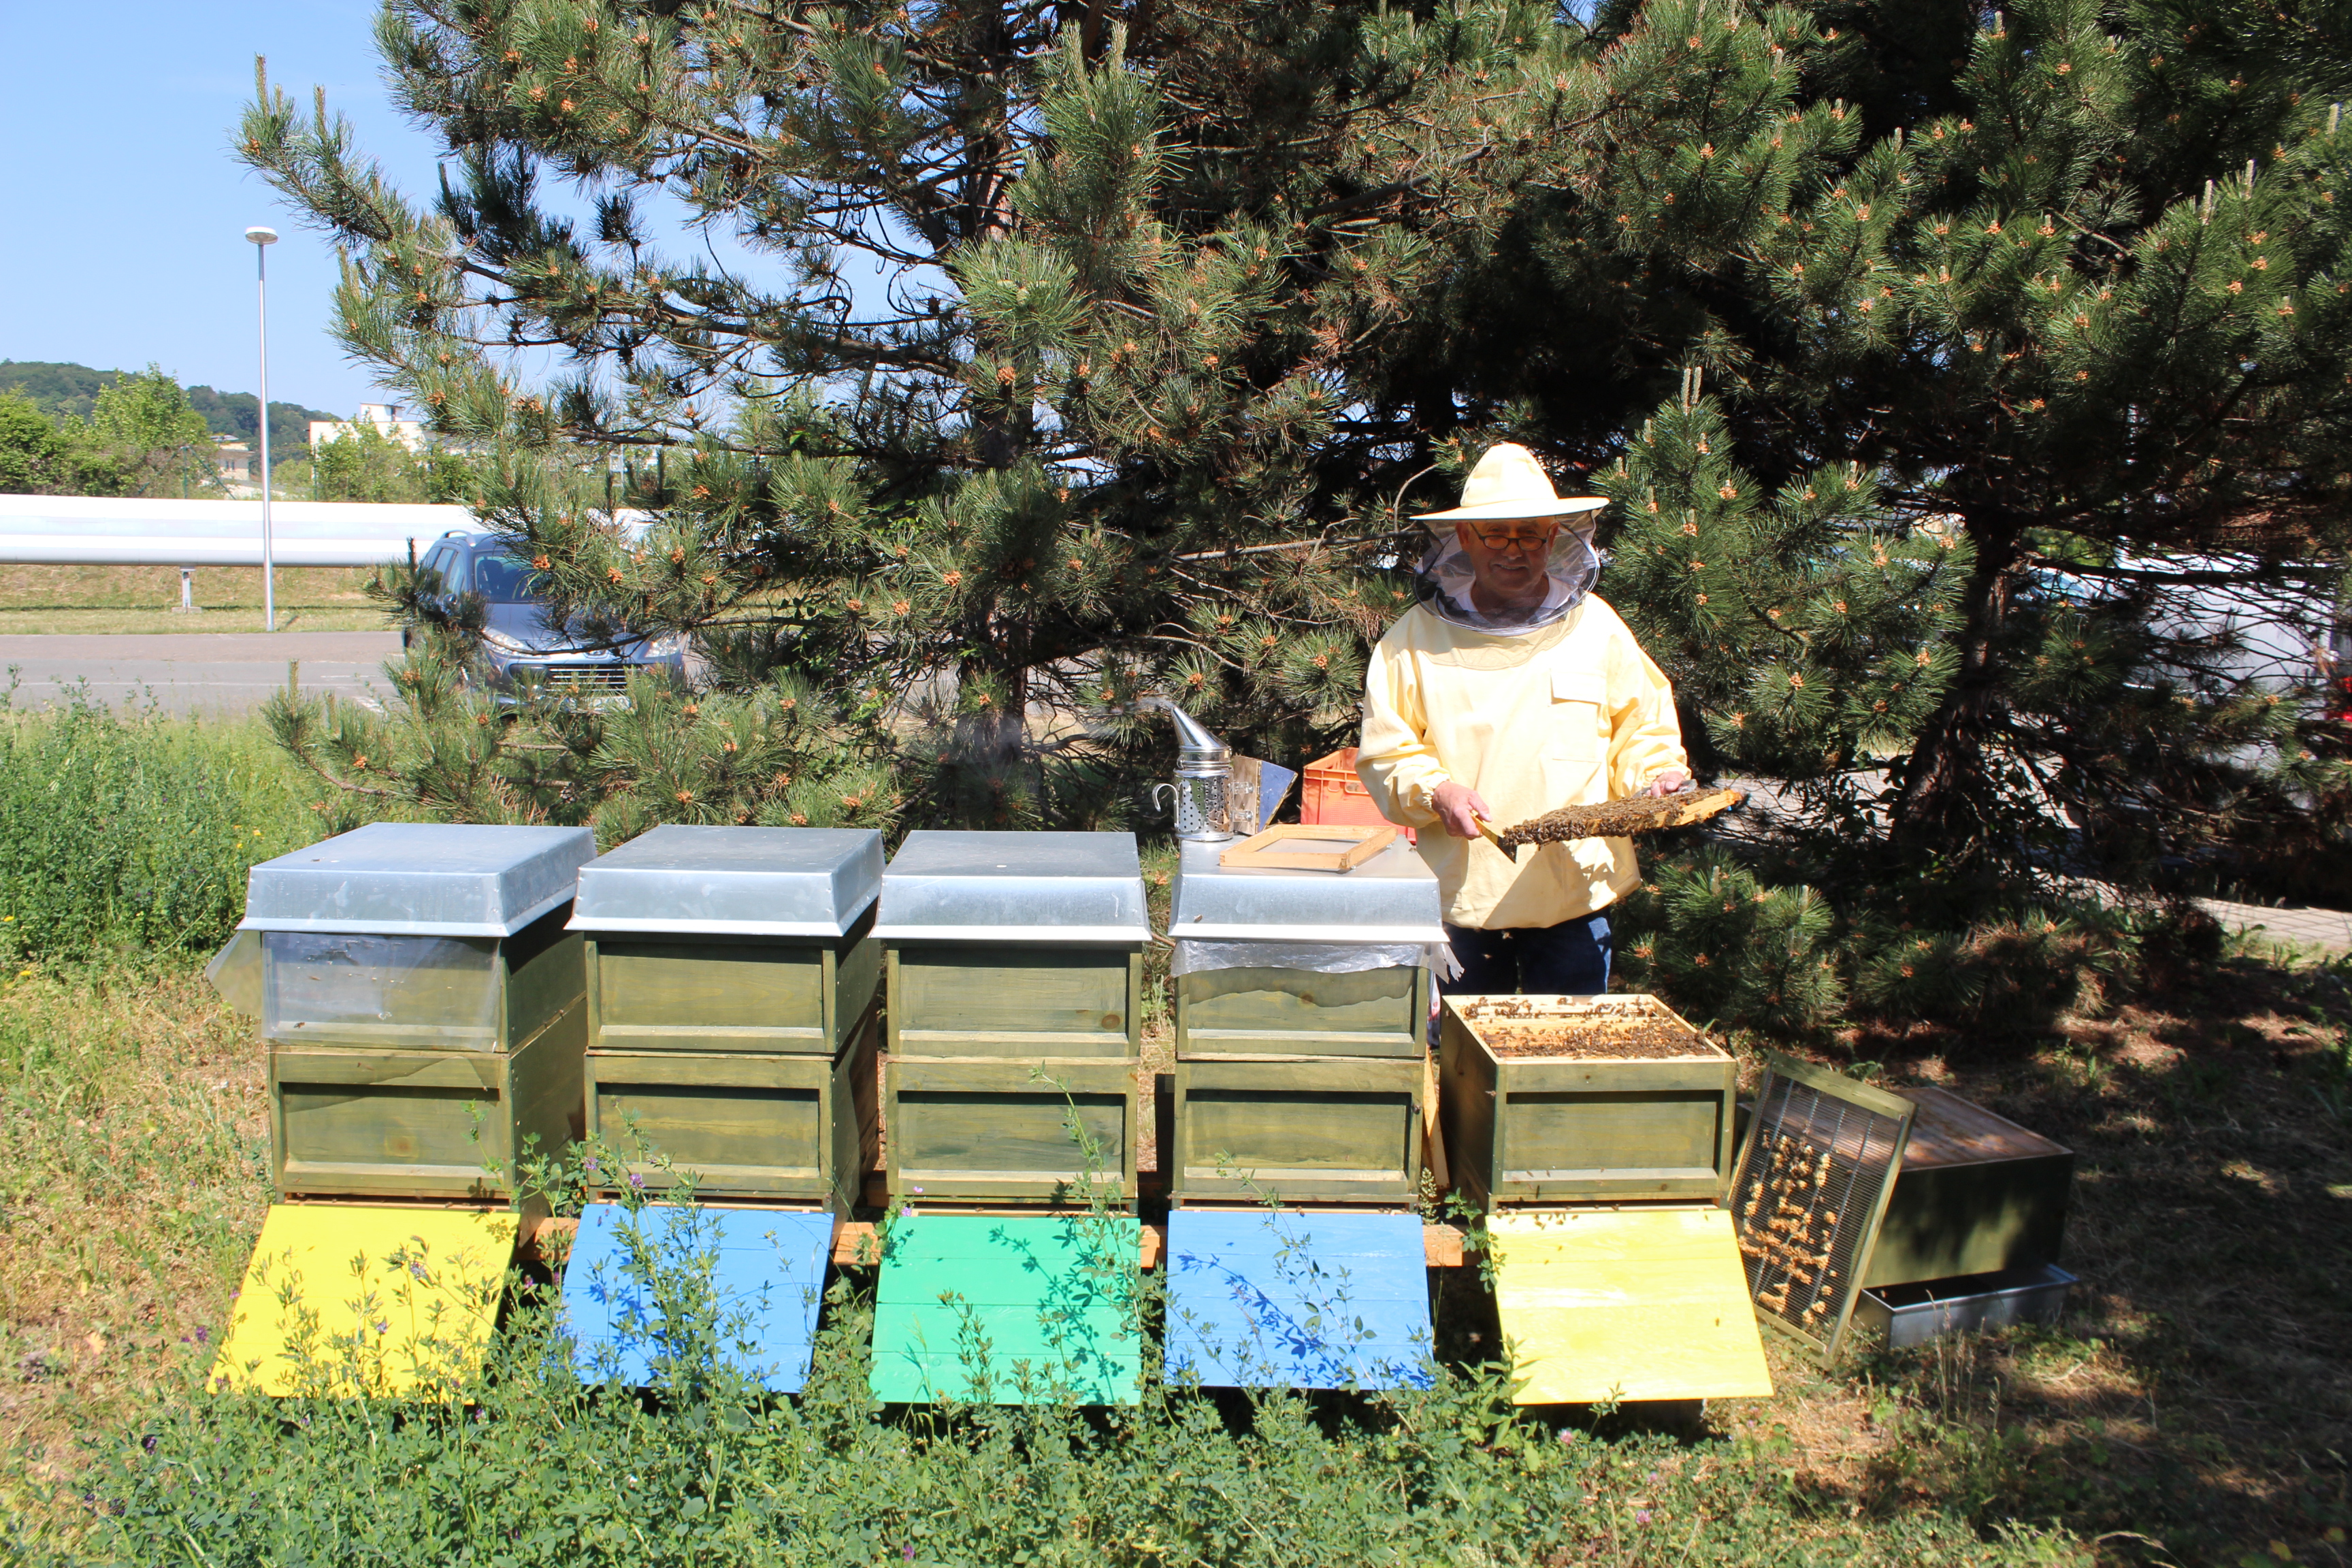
point(51, 600)
point(132, 1105)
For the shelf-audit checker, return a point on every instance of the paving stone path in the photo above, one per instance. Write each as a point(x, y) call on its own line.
point(2305, 927)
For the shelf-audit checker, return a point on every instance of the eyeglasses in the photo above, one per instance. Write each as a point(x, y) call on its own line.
point(1506, 535)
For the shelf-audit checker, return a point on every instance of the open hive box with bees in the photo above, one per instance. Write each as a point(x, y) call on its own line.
point(1566, 1099)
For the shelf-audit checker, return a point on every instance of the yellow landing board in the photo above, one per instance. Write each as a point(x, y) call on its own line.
point(355, 1299)
point(1625, 1304)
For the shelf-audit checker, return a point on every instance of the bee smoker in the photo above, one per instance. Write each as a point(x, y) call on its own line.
point(1202, 787)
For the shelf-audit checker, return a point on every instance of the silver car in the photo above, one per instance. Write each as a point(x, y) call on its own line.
point(524, 648)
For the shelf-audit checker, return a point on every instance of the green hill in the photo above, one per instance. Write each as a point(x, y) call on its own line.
point(72, 389)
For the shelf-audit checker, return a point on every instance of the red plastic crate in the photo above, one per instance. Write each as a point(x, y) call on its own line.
point(1330, 791)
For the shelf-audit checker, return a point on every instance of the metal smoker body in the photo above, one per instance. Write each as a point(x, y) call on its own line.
point(1203, 789)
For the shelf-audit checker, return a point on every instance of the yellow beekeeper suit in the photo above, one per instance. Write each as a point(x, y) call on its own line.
point(1572, 714)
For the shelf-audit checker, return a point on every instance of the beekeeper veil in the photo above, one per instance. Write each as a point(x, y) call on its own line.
point(1509, 486)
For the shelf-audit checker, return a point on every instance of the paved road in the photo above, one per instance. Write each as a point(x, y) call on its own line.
point(188, 672)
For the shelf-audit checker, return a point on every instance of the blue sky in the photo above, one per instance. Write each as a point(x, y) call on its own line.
point(126, 215)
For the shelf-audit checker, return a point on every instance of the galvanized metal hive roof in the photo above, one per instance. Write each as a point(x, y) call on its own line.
point(1391, 897)
point(733, 881)
point(1015, 887)
point(419, 879)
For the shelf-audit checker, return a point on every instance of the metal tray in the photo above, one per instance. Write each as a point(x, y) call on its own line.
point(1391, 897)
point(418, 878)
point(1929, 1309)
point(1015, 887)
point(733, 881)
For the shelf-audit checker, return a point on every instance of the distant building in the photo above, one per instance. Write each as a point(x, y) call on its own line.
point(383, 417)
point(234, 461)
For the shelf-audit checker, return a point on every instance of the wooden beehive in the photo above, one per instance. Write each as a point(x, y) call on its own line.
point(422, 1124)
point(731, 992)
point(1302, 1018)
point(1582, 1098)
point(1323, 1129)
point(791, 1128)
point(1015, 1000)
point(422, 1006)
point(1976, 1194)
point(733, 979)
point(1014, 976)
point(997, 1131)
point(1271, 1011)
point(416, 991)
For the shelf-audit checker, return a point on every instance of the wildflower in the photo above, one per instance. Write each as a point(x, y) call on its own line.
point(1641, 1516)
point(636, 1181)
point(203, 1334)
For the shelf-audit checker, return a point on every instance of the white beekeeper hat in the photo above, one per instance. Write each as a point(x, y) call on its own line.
point(1509, 483)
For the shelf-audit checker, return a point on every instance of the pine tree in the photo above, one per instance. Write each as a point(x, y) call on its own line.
point(1095, 438)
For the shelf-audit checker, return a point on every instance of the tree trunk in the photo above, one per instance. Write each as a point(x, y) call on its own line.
point(1943, 784)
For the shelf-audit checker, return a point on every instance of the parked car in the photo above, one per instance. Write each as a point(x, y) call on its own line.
point(523, 648)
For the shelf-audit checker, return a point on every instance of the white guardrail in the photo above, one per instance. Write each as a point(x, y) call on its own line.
point(99, 531)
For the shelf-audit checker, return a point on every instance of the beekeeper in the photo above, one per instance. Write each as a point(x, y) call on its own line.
point(1510, 689)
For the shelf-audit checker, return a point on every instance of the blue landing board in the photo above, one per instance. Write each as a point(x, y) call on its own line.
point(635, 1291)
point(1292, 1299)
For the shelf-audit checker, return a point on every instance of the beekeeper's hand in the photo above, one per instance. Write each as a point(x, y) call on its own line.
point(1459, 808)
point(1673, 781)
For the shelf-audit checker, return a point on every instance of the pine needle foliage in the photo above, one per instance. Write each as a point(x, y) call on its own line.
point(1095, 436)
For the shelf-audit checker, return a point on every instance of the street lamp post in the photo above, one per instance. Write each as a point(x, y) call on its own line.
point(263, 239)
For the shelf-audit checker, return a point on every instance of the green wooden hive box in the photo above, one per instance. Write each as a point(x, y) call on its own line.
point(422, 1006)
point(734, 978)
point(1302, 1017)
point(1582, 1099)
point(1014, 965)
point(1976, 1194)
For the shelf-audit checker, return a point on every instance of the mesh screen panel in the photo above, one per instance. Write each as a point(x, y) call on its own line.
point(1811, 1185)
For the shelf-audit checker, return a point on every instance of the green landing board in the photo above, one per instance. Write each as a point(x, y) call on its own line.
point(996, 1310)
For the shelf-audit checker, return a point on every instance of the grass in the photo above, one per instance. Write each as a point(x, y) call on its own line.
point(2194, 1406)
point(51, 600)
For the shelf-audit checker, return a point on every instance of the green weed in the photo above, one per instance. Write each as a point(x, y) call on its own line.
point(134, 833)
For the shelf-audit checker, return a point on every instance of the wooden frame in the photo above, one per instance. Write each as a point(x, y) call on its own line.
point(1525, 1129)
point(1254, 853)
point(985, 1130)
point(1863, 1095)
point(783, 1126)
point(1319, 1129)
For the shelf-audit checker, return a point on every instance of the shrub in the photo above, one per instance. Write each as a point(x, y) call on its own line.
point(134, 832)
